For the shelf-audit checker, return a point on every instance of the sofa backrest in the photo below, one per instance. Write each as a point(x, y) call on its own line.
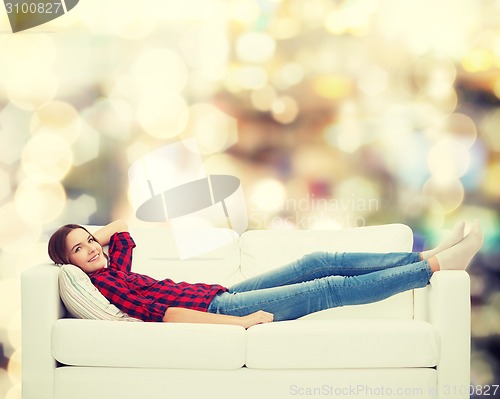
point(258, 251)
point(263, 250)
point(156, 255)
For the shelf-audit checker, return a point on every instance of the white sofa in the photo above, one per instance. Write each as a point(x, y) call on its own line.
point(415, 344)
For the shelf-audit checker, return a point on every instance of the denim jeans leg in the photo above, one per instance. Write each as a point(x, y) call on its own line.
point(296, 300)
point(323, 264)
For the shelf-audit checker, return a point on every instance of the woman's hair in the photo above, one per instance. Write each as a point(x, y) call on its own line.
point(57, 243)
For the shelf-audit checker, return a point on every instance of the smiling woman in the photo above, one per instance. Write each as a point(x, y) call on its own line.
point(74, 244)
point(85, 251)
point(315, 282)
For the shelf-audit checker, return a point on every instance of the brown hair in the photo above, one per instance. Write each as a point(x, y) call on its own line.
point(57, 243)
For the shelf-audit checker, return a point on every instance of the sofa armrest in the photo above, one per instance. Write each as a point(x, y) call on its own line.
point(40, 308)
point(449, 310)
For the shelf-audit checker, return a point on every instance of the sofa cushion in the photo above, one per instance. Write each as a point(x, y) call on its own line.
point(83, 300)
point(342, 344)
point(148, 345)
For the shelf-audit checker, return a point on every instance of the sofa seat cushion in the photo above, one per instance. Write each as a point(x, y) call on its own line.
point(104, 343)
point(357, 343)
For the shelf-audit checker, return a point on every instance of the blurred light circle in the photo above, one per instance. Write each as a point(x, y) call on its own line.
point(448, 160)
point(424, 211)
point(30, 90)
point(357, 196)
point(57, 117)
point(5, 381)
point(333, 86)
point(222, 164)
point(425, 114)
point(268, 195)
point(435, 74)
point(243, 11)
point(252, 77)
point(5, 188)
point(213, 129)
point(285, 28)
point(450, 194)
point(490, 126)
point(461, 128)
point(336, 23)
point(205, 49)
point(14, 366)
point(82, 207)
point(15, 391)
point(135, 20)
point(478, 60)
point(112, 117)
point(312, 162)
point(86, 146)
point(232, 79)
point(285, 109)
point(263, 99)
point(373, 81)
point(137, 150)
point(47, 157)
point(163, 116)
point(496, 87)
point(289, 75)
point(22, 54)
point(445, 103)
point(158, 70)
point(255, 47)
point(32, 256)
point(16, 234)
point(491, 180)
point(39, 202)
point(9, 295)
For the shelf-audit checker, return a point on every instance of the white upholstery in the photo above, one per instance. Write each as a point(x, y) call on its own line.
point(157, 256)
point(245, 383)
point(105, 343)
point(418, 339)
point(257, 255)
point(316, 344)
point(321, 344)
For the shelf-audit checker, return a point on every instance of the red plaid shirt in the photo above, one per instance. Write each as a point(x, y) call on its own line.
point(141, 296)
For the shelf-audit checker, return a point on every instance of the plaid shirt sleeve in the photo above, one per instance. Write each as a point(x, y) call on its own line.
point(121, 246)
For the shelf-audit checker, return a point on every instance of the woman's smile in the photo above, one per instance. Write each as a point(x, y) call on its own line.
point(84, 251)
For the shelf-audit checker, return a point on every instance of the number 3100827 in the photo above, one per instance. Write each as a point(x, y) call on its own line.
point(33, 8)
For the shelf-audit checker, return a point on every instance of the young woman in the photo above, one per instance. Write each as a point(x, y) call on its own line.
point(317, 281)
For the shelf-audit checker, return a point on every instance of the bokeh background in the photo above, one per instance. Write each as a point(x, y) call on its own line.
point(333, 114)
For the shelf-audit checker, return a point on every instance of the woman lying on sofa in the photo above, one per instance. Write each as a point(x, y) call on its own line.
point(317, 281)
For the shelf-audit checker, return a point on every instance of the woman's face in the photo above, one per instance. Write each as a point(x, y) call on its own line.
point(84, 251)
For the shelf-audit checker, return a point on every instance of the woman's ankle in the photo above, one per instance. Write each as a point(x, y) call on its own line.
point(434, 264)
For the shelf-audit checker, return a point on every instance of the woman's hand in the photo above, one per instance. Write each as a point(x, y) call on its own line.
point(103, 235)
point(258, 317)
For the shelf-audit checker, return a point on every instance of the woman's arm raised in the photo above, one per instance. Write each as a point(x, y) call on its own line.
point(104, 234)
point(183, 315)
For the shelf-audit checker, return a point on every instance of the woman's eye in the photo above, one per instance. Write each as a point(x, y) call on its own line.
point(78, 249)
point(91, 240)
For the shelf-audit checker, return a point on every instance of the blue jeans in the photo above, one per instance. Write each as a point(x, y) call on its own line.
point(323, 280)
